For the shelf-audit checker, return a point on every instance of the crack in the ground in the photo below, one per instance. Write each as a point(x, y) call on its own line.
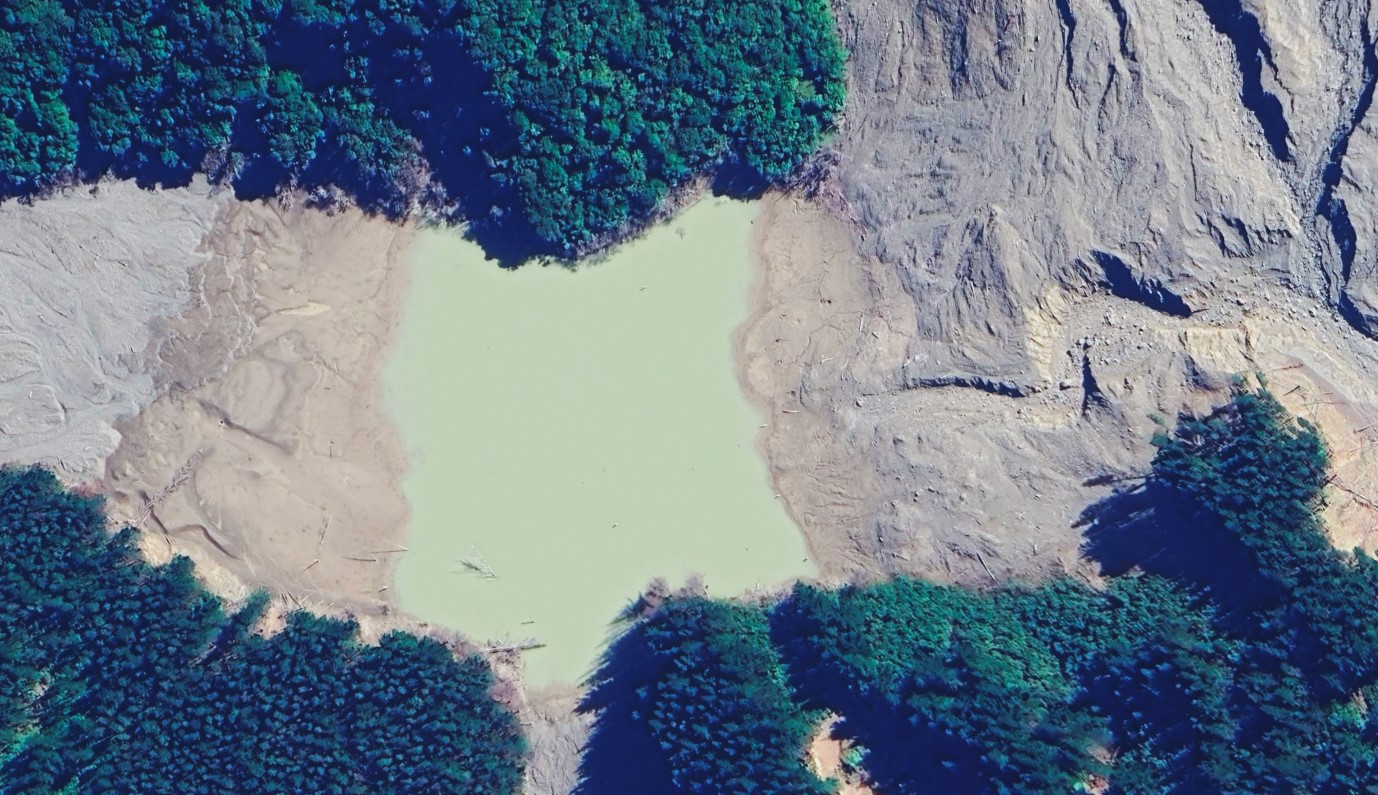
point(1252, 51)
point(1069, 26)
point(1333, 209)
point(1122, 17)
point(979, 383)
point(1149, 292)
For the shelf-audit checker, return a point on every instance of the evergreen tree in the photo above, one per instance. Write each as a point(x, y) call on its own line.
point(118, 676)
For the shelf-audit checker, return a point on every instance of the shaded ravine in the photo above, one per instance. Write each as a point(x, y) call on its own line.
point(1149, 292)
point(1252, 52)
point(1333, 209)
point(1069, 26)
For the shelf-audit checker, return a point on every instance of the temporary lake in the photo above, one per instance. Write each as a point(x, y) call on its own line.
point(575, 432)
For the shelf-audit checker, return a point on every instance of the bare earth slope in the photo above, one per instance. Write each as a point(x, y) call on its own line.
point(269, 448)
point(1051, 226)
point(1048, 223)
point(88, 276)
point(1063, 218)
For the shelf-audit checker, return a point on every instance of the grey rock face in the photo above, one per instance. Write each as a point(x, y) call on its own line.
point(1133, 197)
point(1148, 146)
point(88, 283)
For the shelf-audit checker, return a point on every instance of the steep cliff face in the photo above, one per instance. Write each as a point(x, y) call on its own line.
point(1095, 211)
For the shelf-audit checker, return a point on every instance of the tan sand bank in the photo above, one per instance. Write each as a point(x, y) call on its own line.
point(811, 306)
point(270, 450)
point(981, 481)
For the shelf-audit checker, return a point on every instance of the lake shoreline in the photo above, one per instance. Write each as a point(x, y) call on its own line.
point(807, 299)
point(614, 437)
point(270, 450)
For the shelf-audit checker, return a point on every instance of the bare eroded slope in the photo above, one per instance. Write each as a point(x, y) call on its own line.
point(1048, 224)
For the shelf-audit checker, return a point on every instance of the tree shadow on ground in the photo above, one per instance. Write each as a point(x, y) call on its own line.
point(621, 756)
point(1156, 529)
point(904, 747)
point(902, 744)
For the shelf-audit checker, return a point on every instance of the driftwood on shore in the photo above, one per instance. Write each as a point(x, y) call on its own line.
point(521, 645)
point(180, 476)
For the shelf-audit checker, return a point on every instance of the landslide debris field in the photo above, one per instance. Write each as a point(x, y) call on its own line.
point(1048, 224)
point(1041, 231)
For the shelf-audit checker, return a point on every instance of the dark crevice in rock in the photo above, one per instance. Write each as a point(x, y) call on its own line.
point(1091, 394)
point(1334, 165)
point(1069, 28)
point(1148, 292)
point(957, 54)
point(1346, 238)
point(1001, 388)
point(1252, 51)
point(1332, 208)
point(1347, 241)
point(1121, 16)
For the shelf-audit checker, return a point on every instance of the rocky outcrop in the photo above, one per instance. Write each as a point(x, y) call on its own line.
point(1094, 212)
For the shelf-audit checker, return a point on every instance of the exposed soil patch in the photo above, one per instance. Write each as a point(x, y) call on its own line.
point(827, 755)
point(1064, 225)
point(89, 275)
point(959, 483)
point(270, 450)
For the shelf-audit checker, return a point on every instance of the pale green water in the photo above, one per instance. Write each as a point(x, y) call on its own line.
point(584, 431)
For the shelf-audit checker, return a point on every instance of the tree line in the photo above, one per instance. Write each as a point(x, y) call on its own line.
point(119, 676)
point(549, 127)
point(1234, 652)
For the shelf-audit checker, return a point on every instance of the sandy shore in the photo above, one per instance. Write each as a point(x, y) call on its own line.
point(808, 306)
point(954, 484)
point(270, 452)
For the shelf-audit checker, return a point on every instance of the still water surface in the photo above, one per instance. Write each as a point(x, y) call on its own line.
point(579, 432)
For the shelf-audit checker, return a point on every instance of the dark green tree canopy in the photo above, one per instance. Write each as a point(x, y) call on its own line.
point(118, 676)
point(550, 127)
point(1158, 682)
